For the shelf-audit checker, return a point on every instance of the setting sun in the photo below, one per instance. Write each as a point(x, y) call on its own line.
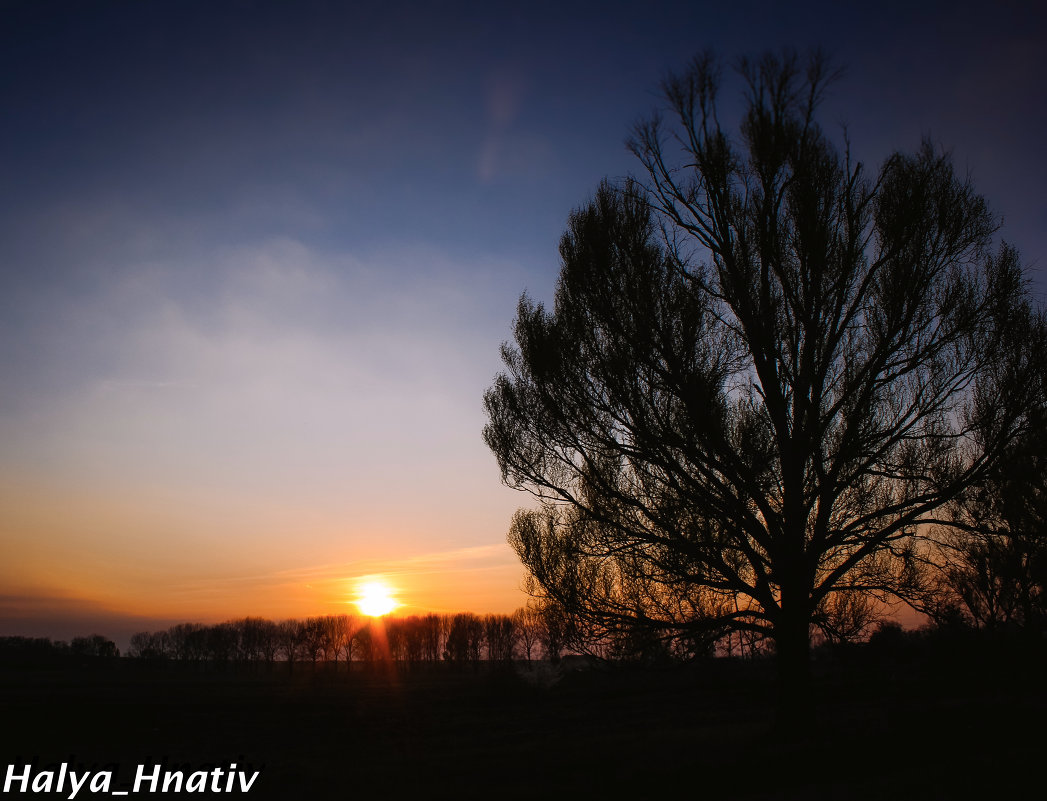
point(375, 599)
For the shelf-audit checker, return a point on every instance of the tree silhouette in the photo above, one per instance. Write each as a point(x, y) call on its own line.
point(501, 635)
point(528, 621)
point(465, 636)
point(994, 556)
point(96, 645)
point(292, 636)
point(763, 375)
point(433, 631)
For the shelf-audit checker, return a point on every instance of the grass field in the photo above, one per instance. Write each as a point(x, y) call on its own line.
point(695, 733)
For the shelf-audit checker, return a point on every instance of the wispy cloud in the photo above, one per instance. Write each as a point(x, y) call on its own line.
point(454, 560)
point(478, 557)
point(423, 581)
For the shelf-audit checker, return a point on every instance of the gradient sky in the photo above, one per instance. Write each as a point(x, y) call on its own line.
point(257, 258)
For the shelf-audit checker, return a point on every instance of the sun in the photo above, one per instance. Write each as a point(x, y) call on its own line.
point(375, 599)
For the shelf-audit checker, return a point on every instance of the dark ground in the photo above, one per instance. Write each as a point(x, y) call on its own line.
point(675, 733)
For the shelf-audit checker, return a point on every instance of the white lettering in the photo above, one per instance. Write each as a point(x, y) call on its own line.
point(42, 782)
point(232, 775)
point(77, 784)
point(245, 787)
point(173, 776)
point(24, 779)
point(197, 782)
point(140, 776)
point(147, 779)
point(106, 778)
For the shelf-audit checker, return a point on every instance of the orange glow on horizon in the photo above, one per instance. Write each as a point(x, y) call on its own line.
point(141, 561)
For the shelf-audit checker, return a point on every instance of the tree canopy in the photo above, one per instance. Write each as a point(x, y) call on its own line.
point(764, 374)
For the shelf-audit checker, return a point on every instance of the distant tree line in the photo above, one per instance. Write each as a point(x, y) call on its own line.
point(989, 606)
point(542, 630)
point(43, 649)
point(463, 638)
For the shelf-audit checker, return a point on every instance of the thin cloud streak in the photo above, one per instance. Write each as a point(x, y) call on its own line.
point(411, 565)
point(438, 574)
point(437, 562)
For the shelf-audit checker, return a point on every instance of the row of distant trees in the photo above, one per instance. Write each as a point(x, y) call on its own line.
point(545, 631)
point(42, 649)
point(980, 600)
point(529, 633)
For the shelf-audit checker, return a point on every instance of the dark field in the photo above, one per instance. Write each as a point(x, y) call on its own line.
point(676, 733)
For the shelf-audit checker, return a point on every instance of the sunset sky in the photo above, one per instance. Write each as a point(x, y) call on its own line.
point(257, 259)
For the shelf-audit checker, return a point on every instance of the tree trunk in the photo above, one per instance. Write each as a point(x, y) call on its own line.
point(793, 653)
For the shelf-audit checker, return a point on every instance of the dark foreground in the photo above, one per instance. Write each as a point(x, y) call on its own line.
point(677, 733)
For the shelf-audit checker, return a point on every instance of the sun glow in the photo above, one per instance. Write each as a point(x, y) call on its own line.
point(375, 599)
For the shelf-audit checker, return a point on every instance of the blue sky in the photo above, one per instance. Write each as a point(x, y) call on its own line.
point(257, 258)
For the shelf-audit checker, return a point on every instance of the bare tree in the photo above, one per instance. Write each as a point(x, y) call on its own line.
point(141, 646)
point(434, 628)
point(556, 626)
point(267, 634)
point(994, 555)
point(343, 630)
point(528, 620)
point(328, 638)
point(247, 639)
point(500, 635)
point(395, 639)
point(221, 642)
point(292, 638)
point(764, 374)
point(465, 638)
point(414, 633)
point(187, 641)
point(150, 645)
point(95, 645)
point(847, 616)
